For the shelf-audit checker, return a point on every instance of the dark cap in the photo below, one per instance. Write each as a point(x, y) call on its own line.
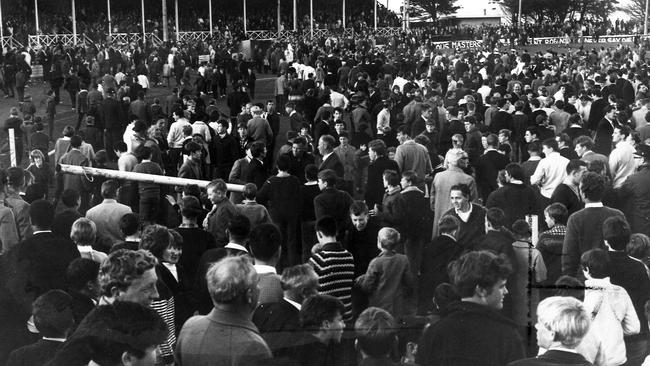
point(643, 151)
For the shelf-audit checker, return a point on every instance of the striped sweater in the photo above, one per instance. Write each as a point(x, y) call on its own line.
point(335, 269)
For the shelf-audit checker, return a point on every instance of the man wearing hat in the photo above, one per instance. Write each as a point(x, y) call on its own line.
point(112, 114)
point(636, 191)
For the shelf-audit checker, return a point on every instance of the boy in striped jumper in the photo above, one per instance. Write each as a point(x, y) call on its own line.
point(333, 264)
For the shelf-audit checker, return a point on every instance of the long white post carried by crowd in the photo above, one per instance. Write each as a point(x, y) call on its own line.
point(38, 29)
point(144, 34)
point(645, 24)
point(74, 23)
point(12, 147)
point(295, 15)
point(210, 15)
point(245, 17)
point(110, 25)
point(375, 14)
point(164, 20)
point(176, 13)
point(139, 177)
point(2, 26)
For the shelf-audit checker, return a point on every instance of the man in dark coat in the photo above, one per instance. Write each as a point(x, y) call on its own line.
point(40, 262)
point(488, 166)
point(329, 160)
point(278, 322)
point(332, 201)
point(434, 261)
point(603, 138)
point(473, 332)
point(636, 190)
point(379, 163)
point(113, 119)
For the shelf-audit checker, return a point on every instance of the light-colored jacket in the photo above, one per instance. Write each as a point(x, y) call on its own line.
point(613, 316)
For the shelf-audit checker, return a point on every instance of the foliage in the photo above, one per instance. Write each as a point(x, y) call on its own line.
point(435, 8)
point(559, 11)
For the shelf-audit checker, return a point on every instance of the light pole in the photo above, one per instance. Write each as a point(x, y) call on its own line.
point(164, 20)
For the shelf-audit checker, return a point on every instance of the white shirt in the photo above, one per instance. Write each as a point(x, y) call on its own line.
point(550, 172)
point(621, 163)
point(263, 268)
point(295, 304)
point(465, 215)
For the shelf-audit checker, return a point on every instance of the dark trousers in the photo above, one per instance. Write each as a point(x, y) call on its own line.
point(20, 90)
point(149, 208)
point(636, 350)
point(110, 138)
point(80, 118)
point(288, 226)
point(175, 154)
point(308, 234)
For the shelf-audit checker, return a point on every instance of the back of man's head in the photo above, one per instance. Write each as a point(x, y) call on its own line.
point(239, 228)
point(616, 231)
point(70, 198)
point(230, 279)
point(264, 242)
point(326, 226)
point(53, 315)
point(376, 332)
point(41, 213)
point(81, 271)
point(593, 186)
point(109, 189)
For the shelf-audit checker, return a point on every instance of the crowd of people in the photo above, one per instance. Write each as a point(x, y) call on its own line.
point(388, 205)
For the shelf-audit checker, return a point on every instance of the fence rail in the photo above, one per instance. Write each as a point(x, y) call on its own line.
point(10, 41)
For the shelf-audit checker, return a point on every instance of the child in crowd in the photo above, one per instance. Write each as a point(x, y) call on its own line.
point(40, 169)
point(388, 280)
point(256, 213)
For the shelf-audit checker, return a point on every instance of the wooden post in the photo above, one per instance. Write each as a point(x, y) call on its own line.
point(165, 21)
point(140, 177)
point(38, 30)
point(110, 25)
point(12, 147)
point(74, 23)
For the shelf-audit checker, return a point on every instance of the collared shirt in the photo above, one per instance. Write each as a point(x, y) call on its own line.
point(594, 204)
point(327, 155)
point(263, 268)
point(465, 215)
point(54, 339)
point(42, 231)
point(295, 304)
point(236, 246)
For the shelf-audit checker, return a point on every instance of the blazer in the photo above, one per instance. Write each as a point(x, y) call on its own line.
point(333, 162)
point(239, 341)
point(553, 357)
point(279, 325)
point(38, 353)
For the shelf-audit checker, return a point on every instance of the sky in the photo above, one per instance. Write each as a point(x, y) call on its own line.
point(395, 5)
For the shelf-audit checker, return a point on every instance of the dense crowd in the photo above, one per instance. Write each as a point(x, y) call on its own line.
point(403, 205)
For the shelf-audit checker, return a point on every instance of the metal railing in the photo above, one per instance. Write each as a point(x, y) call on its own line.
point(52, 39)
point(10, 41)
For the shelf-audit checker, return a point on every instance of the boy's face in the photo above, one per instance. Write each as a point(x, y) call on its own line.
point(338, 127)
point(334, 328)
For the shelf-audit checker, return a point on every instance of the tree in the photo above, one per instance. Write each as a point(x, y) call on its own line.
point(559, 11)
point(435, 8)
point(636, 10)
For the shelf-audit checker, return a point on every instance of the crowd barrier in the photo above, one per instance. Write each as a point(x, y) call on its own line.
point(472, 44)
point(10, 41)
point(68, 39)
